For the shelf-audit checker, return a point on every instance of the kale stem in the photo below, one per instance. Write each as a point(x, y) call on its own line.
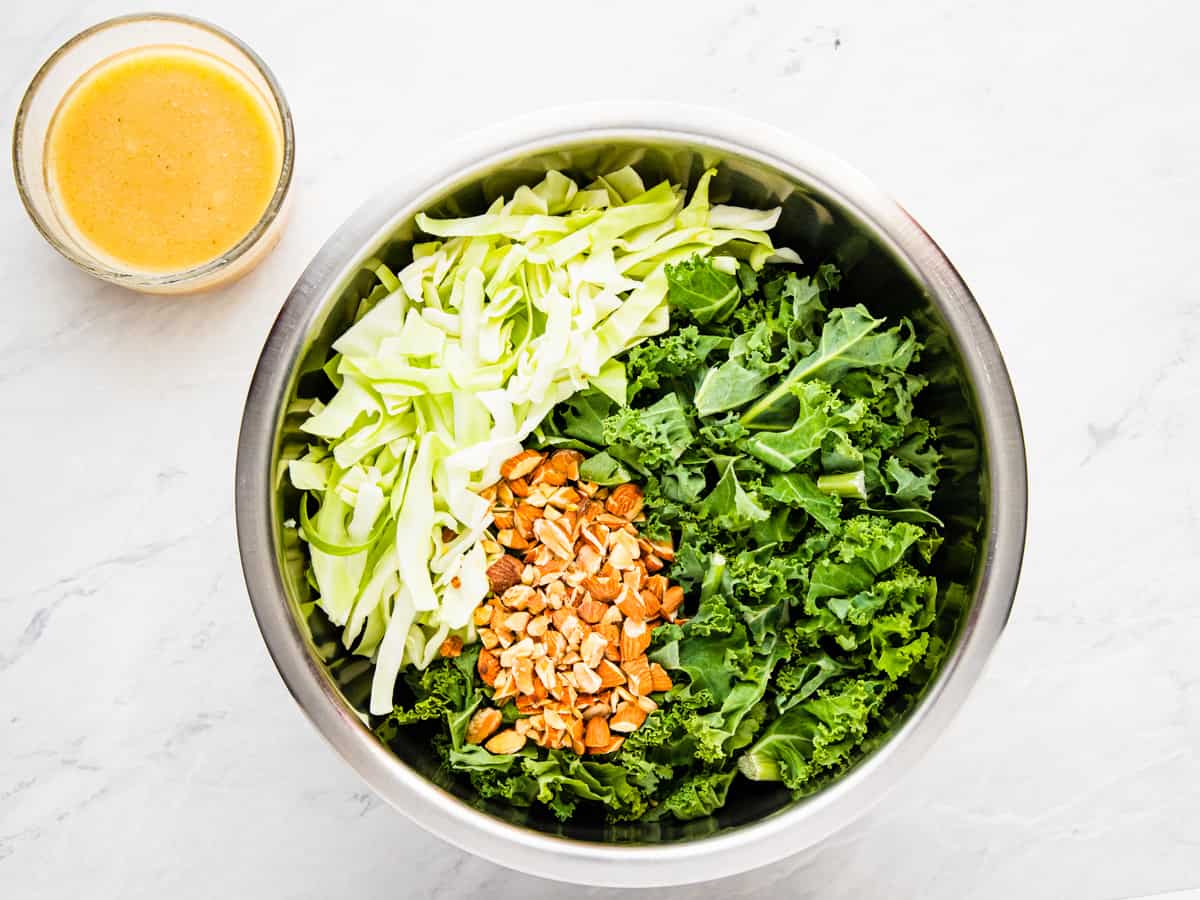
point(844, 484)
point(712, 578)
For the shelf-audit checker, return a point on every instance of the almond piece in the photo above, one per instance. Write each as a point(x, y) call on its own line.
point(612, 635)
point(672, 600)
point(596, 709)
point(522, 649)
point(646, 705)
point(635, 639)
point(612, 616)
point(517, 621)
point(507, 741)
point(523, 675)
point(537, 603)
point(517, 596)
point(596, 538)
point(523, 518)
point(483, 725)
point(637, 675)
point(482, 615)
point(602, 588)
point(538, 626)
point(551, 572)
point(488, 667)
point(628, 718)
point(504, 687)
point(488, 638)
point(610, 675)
point(519, 487)
point(556, 645)
point(565, 498)
point(652, 563)
point(586, 680)
point(659, 679)
point(548, 475)
point(587, 558)
point(630, 604)
point(592, 611)
point(544, 669)
point(520, 465)
point(597, 734)
point(509, 538)
point(536, 498)
point(567, 462)
point(664, 550)
point(571, 629)
point(612, 747)
point(625, 501)
point(555, 537)
point(504, 494)
point(554, 720)
point(650, 604)
point(657, 585)
point(502, 519)
point(592, 649)
point(623, 550)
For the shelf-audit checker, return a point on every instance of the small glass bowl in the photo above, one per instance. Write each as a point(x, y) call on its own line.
point(69, 63)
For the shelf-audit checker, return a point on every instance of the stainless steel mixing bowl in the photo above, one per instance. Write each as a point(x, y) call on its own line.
point(830, 213)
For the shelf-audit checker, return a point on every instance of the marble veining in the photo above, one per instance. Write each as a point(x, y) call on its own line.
point(147, 747)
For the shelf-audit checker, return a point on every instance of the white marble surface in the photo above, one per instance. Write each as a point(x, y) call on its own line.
point(147, 747)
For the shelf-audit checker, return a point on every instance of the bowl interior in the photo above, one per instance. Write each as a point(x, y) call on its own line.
point(816, 223)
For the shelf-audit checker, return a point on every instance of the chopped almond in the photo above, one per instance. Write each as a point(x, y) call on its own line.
point(659, 679)
point(628, 718)
point(592, 649)
point(610, 674)
point(585, 679)
point(523, 674)
point(507, 741)
point(520, 465)
point(592, 611)
point(597, 734)
point(482, 725)
point(672, 600)
point(637, 674)
point(635, 638)
point(488, 667)
point(625, 501)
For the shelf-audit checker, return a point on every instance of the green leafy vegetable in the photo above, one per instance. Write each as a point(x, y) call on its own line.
point(778, 436)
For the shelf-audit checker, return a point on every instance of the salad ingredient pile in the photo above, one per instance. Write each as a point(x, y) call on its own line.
point(566, 632)
point(635, 507)
point(453, 362)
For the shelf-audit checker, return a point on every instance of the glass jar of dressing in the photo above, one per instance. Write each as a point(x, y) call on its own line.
point(155, 151)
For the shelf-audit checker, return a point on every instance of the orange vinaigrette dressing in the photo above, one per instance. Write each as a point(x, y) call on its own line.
point(162, 158)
